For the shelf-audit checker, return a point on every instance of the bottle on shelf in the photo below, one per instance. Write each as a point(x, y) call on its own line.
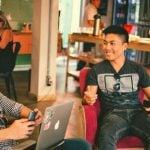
point(96, 28)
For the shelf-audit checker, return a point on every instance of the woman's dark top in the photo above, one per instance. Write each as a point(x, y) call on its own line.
point(6, 56)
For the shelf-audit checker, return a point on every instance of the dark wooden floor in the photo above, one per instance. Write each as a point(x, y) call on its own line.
point(76, 124)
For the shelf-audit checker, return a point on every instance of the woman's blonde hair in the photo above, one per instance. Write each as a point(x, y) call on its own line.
point(3, 19)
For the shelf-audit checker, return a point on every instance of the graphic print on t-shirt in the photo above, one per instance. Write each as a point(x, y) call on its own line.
point(128, 82)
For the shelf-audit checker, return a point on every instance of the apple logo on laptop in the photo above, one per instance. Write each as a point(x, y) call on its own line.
point(57, 125)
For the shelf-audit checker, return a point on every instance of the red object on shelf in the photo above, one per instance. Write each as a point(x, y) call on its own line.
point(128, 27)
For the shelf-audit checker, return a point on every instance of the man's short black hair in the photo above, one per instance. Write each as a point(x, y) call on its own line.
point(114, 29)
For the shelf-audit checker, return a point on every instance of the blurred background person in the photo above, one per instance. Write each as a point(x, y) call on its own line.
point(90, 11)
point(6, 43)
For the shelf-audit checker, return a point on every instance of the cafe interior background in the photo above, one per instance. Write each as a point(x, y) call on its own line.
point(70, 12)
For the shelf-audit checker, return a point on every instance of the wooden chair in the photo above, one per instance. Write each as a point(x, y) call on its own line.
point(91, 114)
point(7, 74)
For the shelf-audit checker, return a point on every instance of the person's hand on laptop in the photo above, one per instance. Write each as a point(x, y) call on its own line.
point(19, 129)
point(22, 128)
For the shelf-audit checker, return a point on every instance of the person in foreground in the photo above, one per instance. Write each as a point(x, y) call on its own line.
point(22, 128)
point(117, 81)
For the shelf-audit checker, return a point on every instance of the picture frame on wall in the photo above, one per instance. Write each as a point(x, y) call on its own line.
point(103, 7)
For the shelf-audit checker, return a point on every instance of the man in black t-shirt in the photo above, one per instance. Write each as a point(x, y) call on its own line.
point(117, 81)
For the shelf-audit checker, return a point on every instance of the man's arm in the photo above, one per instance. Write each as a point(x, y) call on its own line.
point(147, 92)
point(90, 95)
point(147, 97)
point(25, 113)
point(91, 24)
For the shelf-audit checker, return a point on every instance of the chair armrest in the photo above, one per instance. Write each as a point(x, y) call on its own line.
point(82, 79)
point(91, 114)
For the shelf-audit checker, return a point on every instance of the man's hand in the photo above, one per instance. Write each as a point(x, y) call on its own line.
point(146, 106)
point(90, 98)
point(90, 95)
point(20, 129)
point(148, 110)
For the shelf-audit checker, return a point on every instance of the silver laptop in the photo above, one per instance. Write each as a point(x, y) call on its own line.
point(53, 127)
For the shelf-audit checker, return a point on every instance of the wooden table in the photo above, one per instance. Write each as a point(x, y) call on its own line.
point(98, 40)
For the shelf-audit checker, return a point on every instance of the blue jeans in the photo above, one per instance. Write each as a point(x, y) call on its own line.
point(121, 122)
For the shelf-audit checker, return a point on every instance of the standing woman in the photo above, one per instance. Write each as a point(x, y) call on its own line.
point(6, 44)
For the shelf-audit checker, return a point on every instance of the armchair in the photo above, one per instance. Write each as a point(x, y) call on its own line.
point(91, 114)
